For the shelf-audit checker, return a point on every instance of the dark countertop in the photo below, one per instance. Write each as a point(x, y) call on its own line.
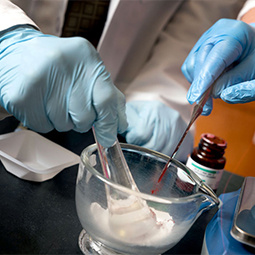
point(40, 218)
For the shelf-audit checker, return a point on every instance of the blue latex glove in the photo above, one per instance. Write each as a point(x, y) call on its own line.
point(49, 82)
point(226, 42)
point(218, 239)
point(154, 125)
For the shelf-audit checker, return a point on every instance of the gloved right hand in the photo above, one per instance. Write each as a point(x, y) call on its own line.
point(227, 42)
point(49, 82)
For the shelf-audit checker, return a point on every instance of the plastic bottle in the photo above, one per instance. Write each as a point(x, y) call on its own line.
point(207, 160)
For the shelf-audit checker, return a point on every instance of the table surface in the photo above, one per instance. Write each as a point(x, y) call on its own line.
point(41, 218)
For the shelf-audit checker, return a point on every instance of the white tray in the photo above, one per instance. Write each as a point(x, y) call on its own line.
point(32, 157)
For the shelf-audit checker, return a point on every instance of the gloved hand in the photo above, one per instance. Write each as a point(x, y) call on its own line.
point(228, 43)
point(50, 82)
point(155, 126)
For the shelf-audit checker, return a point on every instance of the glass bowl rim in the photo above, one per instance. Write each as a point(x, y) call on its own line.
point(154, 198)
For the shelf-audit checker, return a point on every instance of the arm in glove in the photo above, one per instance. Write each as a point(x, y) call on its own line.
point(153, 125)
point(227, 43)
point(50, 82)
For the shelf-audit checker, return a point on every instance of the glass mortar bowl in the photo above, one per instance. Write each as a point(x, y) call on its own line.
point(153, 228)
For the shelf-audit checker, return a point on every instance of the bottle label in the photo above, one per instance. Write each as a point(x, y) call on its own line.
point(208, 175)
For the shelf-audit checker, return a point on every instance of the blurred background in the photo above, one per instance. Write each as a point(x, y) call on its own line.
point(236, 124)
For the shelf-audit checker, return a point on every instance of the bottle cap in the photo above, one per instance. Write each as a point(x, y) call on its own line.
point(213, 139)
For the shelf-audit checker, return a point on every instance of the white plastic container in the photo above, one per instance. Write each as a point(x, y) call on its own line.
point(32, 157)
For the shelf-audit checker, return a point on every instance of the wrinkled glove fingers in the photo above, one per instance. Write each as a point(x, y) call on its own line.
point(188, 67)
point(234, 76)
point(240, 93)
point(106, 102)
point(207, 109)
point(201, 57)
point(210, 71)
point(80, 111)
point(76, 90)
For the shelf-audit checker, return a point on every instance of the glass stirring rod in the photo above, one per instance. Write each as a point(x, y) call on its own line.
point(197, 110)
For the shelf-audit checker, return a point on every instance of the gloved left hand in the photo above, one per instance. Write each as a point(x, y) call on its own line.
point(226, 43)
point(154, 125)
point(49, 82)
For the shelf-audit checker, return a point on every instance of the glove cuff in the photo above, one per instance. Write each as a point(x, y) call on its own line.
point(17, 34)
point(16, 27)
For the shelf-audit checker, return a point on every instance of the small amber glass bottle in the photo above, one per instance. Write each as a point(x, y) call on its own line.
point(207, 160)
